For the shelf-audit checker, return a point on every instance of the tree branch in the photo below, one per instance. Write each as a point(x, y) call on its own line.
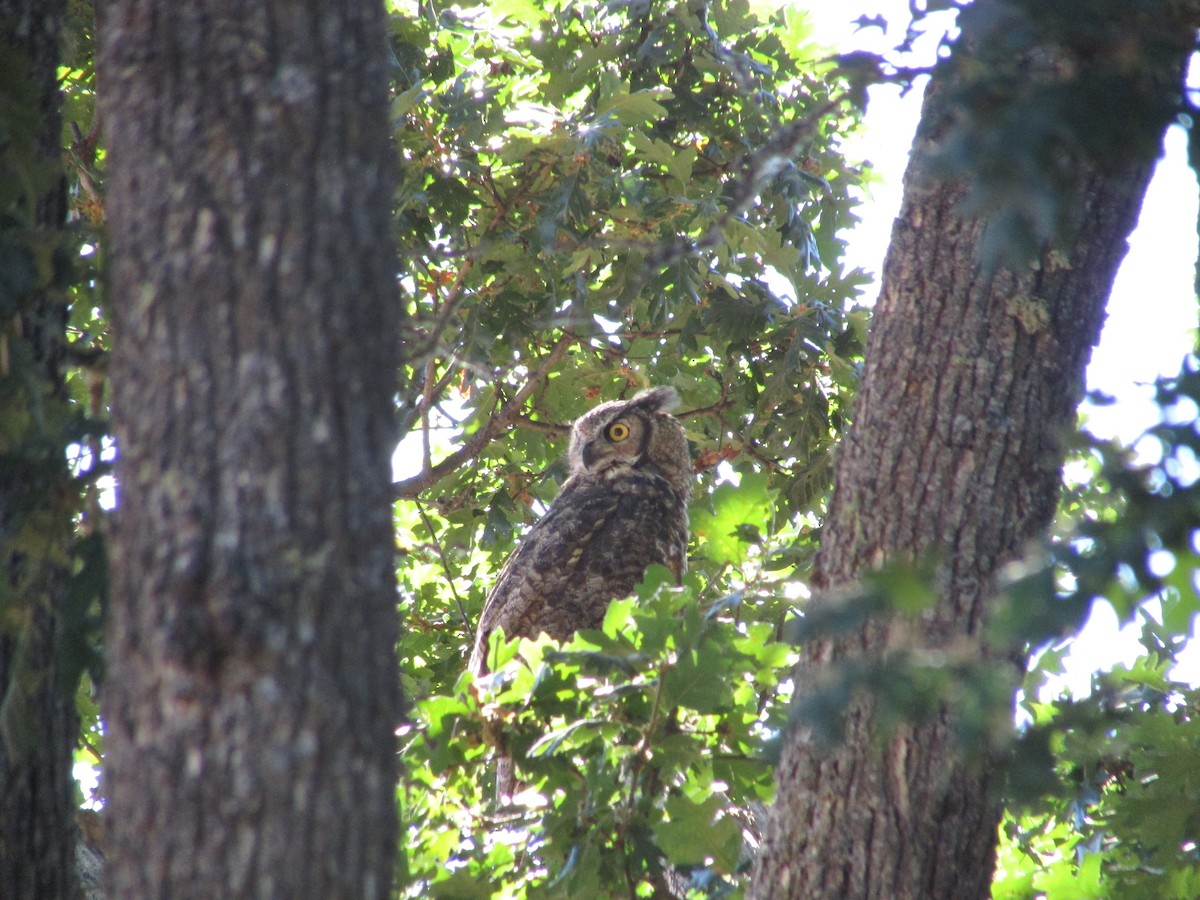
point(555, 428)
point(410, 488)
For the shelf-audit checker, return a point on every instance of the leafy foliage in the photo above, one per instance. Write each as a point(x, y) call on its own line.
point(642, 745)
point(1121, 813)
point(572, 258)
point(597, 197)
point(1036, 96)
point(1038, 93)
point(564, 213)
point(50, 560)
point(1105, 785)
point(645, 733)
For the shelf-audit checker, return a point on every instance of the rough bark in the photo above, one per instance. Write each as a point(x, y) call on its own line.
point(38, 726)
point(252, 692)
point(971, 383)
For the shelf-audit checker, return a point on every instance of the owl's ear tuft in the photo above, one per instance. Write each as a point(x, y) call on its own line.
point(657, 399)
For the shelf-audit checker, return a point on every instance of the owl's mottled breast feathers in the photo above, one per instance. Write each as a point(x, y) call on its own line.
point(623, 507)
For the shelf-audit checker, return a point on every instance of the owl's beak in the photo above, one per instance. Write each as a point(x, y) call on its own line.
point(589, 454)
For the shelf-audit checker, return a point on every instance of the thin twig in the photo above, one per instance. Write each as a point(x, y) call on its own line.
point(462, 611)
point(410, 488)
point(715, 410)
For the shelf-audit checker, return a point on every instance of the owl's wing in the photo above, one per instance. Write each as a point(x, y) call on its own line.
point(542, 563)
point(593, 544)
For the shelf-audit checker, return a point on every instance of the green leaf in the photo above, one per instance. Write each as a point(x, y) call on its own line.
point(524, 12)
point(461, 886)
point(697, 681)
point(908, 588)
point(570, 737)
point(720, 530)
point(694, 833)
point(636, 108)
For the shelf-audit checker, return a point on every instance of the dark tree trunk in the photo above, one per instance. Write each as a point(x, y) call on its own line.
point(252, 690)
point(956, 450)
point(38, 726)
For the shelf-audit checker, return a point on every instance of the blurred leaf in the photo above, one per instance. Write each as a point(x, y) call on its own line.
point(721, 530)
point(695, 832)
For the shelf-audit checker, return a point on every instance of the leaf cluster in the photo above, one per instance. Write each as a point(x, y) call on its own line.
point(1034, 99)
point(640, 745)
point(591, 201)
point(1040, 94)
point(1102, 788)
point(582, 213)
point(51, 559)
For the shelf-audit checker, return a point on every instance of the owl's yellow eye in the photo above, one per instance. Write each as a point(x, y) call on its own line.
point(617, 432)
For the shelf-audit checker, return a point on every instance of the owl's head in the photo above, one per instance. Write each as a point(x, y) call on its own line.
point(639, 433)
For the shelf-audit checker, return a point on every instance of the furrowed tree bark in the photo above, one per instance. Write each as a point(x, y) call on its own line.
point(971, 383)
point(253, 690)
point(38, 725)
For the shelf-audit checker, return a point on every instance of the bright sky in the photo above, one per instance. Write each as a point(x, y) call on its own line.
point(1152, 315)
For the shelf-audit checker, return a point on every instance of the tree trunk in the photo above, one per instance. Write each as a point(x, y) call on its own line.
point(956, 449)
point(252, 692)
point(38, 725)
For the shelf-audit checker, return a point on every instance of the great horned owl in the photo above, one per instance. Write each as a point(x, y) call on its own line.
point(622, 507)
